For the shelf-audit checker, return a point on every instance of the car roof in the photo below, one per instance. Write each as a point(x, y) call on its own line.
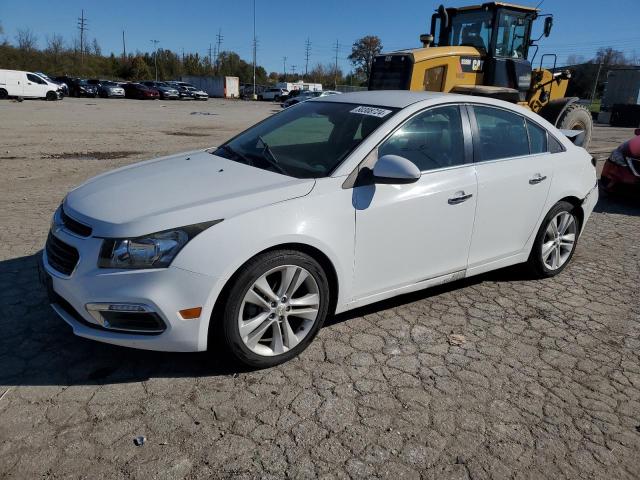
point(388, 98)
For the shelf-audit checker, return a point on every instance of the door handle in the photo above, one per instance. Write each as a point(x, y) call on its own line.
point(459, 198)
point(537, 179)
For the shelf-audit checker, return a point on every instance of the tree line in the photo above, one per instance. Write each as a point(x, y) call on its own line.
point(57, 57)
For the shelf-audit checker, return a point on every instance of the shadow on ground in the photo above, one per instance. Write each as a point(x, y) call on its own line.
point(620, 204)
point(38, 348)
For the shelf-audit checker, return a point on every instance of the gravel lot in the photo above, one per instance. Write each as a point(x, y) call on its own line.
point(546, 383)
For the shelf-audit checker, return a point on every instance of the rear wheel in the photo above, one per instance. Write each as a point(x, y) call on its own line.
point(555, 242)
point(275, 307)
point(577, 117)
point(3, 93)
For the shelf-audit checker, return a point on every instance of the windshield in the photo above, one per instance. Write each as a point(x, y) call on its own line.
point(470, 29)
point(308, 140)
point(512, 32)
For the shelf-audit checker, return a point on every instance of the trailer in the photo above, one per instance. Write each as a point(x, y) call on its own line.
point(620, 104)
point(300, 85)
point(221, 87)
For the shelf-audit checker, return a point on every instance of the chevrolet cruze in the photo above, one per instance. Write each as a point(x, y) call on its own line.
point(332, 204)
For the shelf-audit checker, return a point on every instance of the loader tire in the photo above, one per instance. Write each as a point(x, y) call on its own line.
point(577, 117)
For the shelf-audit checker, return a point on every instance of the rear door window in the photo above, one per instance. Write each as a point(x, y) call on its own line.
point(502, 134)
point(537, 138)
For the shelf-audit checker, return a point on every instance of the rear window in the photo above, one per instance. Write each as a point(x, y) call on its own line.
point(391, 72)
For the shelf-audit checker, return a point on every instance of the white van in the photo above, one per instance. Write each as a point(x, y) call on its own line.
point(15, 83)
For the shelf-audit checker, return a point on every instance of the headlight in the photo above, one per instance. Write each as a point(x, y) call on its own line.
point(156, 250)
point(618, 158)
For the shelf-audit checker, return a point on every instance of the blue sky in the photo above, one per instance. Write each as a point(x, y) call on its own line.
point(581, 26)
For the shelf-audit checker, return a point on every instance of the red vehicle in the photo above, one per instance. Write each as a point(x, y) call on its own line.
point(139, 91)
point(622, 169)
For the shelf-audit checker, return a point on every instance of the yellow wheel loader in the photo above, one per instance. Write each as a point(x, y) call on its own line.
point(483, 50)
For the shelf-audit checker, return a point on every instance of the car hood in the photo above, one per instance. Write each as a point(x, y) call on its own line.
point(176, 191)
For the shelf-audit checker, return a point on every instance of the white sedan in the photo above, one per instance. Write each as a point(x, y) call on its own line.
point(339, 202)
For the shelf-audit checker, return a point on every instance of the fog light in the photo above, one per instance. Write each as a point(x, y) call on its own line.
point(126, 317)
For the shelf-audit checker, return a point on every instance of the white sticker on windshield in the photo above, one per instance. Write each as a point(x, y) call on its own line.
point(373, 111)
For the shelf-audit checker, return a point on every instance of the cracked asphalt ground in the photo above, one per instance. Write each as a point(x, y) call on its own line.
point(544, 383)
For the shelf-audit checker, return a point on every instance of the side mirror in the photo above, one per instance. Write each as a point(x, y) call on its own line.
point(394, 170)
point(548, 23)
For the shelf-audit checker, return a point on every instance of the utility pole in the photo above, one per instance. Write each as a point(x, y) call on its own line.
point(219, 39)
point(307, 54)
point(335, 72)
point(155, 56)
point(284, 68)
point(124, 47)
point(210, 57)
point(255, 44)
point(82, 26)
point(293, 71)
point(595, 85)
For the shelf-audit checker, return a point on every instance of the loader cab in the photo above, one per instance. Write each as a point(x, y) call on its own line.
point(500, 32)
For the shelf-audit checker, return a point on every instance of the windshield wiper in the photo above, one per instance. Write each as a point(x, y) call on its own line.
point(271, 158)
point(237, 155)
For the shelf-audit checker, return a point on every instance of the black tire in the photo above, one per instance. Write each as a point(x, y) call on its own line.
point(226, 326)
point(535, 265)
point(3, 93)
point(52, 96)
point(577, 117)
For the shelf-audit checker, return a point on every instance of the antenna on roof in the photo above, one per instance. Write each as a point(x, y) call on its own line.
point(539, 3)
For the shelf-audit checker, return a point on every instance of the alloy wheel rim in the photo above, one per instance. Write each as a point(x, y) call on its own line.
point(279, 310)
point(559, 240)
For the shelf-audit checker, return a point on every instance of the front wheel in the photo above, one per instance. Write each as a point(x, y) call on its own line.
point(51, 96)
point(275, 307)
point(555, 242)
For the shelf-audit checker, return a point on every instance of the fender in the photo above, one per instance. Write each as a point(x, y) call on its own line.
point(553, 110)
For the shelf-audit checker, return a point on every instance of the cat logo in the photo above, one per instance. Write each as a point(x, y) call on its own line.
point(471, 64)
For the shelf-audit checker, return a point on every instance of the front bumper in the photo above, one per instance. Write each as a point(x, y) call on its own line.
point(616, 177)
point(165, 291)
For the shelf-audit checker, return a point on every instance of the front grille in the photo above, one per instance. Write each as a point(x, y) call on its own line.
point(74, 226)
point(61, 257)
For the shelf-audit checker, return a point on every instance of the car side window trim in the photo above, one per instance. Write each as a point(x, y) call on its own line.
point(371, 157)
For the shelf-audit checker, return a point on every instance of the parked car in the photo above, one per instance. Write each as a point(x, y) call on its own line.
point(79, 87)
point(63, 86)
point(621, 171)
point(19, 84)
point(167, 92)
point(257, 241)
point(141, 92)
point(107, 88)
point(183, 92)
point(273, 94)
point(307, 95)
point(196, 93)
